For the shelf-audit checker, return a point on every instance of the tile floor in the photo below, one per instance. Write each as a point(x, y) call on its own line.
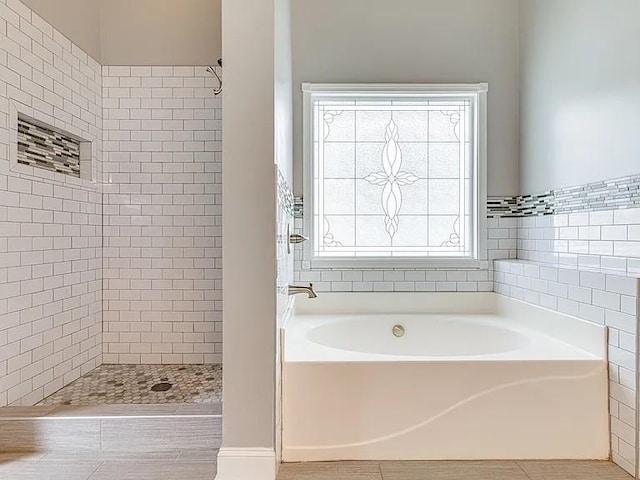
point(192, 465)
point(142, 384)
point(486, 470)
point(201, 465)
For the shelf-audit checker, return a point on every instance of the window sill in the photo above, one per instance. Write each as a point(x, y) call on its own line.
point(406, 262)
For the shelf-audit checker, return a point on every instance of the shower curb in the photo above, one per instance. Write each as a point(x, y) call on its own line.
point(111, 428)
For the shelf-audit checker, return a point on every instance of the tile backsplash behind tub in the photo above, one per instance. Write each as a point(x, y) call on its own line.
point(579, 254)
point(501, 243)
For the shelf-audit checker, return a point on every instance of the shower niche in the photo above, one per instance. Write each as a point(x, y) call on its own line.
point(49, 148)
point(40, 147)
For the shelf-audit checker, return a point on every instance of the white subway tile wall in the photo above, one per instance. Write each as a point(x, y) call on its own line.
point(608, 239)
point(162, 216)
point(284, 262)
point(284, 254)
point(501, 243)
point(587, 263)
point(50, 223)
point(600, 297)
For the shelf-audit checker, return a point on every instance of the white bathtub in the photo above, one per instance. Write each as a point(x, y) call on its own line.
point(475, 376)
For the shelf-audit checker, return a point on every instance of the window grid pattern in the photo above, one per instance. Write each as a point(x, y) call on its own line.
point(392, 177)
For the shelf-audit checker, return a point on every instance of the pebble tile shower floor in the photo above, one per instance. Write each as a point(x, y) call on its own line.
point(142, 384)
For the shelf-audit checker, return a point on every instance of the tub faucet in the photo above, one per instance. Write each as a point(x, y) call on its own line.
point(295, 289)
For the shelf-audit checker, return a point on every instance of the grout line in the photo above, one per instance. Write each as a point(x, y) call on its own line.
point(101, 464)
point(522, 469)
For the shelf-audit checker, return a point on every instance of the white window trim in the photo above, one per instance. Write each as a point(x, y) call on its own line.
point(479, 91)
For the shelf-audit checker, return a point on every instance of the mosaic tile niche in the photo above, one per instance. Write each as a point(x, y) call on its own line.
point(46, 147)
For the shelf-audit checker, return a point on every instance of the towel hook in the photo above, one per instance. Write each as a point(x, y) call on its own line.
point(216, 91)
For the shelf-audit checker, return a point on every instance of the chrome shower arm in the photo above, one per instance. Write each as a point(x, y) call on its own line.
point(216, 91)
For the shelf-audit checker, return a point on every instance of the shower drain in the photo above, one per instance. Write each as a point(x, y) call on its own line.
point(161, 387)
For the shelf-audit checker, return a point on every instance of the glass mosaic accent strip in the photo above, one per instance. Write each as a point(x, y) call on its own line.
point(285, 195)
point(520, 206)
point(605, 195)
point(298, 206)
point(42, 147)
point(392, 177)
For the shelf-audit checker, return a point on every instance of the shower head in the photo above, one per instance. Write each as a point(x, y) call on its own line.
point(212, 71)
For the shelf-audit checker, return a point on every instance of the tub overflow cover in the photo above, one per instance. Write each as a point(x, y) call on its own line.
point(398, 331)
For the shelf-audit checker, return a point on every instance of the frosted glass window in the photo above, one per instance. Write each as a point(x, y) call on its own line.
point(393, 175)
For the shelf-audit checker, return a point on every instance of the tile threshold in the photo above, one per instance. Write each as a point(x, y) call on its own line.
point(112, 411)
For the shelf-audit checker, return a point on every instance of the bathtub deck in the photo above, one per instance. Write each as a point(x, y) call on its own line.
point(490, 470)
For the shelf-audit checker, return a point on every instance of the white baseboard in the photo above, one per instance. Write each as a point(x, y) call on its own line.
point(246, 464)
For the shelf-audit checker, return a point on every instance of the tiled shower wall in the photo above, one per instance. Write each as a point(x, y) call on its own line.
point(162, 216)
point(50, 223)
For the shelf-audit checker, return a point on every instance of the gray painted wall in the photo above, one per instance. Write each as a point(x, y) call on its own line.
point(415, 41)
point(249, 234)
point(161, 32)
point(283, 97)
point(139, 32)
point(79, 20)
point(580, 91)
